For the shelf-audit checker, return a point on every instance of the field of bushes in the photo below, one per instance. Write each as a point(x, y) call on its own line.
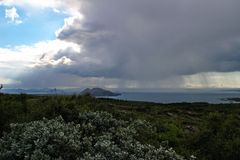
point(83, 127)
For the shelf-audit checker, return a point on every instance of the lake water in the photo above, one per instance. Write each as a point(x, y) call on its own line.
point(209, 96)
point(178, 97)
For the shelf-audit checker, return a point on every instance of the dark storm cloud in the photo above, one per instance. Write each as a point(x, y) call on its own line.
point(155, 39)
point(143, 44)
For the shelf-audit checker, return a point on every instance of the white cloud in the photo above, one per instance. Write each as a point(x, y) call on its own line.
point(21, 59)
point(69, 22)
point(56, 10)
point(47, 60)
point(33, 3)
point(32, 53)
point(70, 7)
point(13, 15)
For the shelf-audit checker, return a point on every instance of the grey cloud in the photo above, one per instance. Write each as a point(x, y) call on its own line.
point(146, 41)
point(152, 39)
point(50, 78)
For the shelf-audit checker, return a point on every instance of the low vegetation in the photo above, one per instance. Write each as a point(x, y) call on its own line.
point(93, 135)
point(89, 128)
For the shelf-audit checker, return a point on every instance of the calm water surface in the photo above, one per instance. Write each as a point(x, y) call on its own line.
point(178, 97)
point(213, 96)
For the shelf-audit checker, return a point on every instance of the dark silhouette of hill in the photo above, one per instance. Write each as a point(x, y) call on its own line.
point(99, 92)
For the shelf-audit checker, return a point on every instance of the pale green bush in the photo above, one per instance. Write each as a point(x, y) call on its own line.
point(93, 136)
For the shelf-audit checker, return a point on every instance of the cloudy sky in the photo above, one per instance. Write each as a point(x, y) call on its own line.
point(120, 43)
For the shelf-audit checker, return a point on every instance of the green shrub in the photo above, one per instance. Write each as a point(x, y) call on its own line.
point(94, 135)
point(221, 135)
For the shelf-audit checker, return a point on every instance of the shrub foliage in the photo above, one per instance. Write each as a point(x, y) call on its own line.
point(92, 136)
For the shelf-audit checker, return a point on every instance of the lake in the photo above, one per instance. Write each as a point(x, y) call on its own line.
point(209, 96)
point(178, 97)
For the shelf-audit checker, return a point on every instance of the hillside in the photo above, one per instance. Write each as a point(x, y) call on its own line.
point(99, 92)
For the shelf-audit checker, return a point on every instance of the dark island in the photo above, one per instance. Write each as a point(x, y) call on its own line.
point(99, 92)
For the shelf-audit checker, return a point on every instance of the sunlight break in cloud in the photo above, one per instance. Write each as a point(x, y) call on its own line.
point(22, 59)
point(37, 53)
point(8, 81)
point(213, 80)
point(13, 15)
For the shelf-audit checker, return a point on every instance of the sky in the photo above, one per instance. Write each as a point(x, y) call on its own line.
point(127, 44)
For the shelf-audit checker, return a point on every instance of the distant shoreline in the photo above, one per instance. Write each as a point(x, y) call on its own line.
point(233, 99)
point(154, 97)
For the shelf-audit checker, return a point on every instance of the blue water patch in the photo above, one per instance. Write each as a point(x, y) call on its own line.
point(214, 97)
point(178, 97)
